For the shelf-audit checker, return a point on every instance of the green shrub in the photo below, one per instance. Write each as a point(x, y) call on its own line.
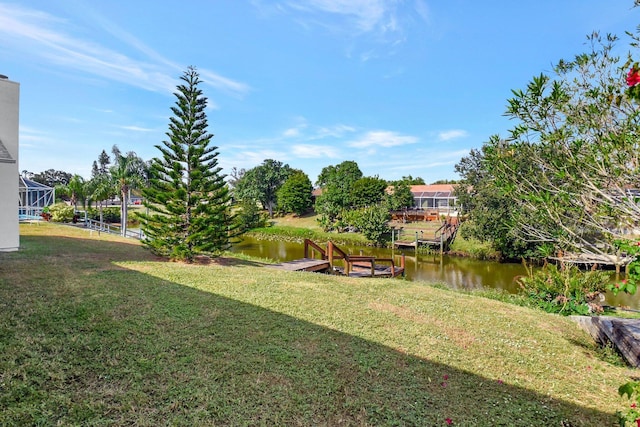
point(61, 212)
point(110, 214)
point(565, 290)
point(248, 216)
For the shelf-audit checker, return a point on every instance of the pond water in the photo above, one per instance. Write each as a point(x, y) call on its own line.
point(456, 272)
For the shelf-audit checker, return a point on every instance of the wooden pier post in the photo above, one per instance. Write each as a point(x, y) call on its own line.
point(330, 254)
point(416, 242)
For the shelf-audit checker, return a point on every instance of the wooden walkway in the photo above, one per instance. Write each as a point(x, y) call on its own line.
point(442, 238)
point(335, 261)
point(304, 264)
point(594, 261)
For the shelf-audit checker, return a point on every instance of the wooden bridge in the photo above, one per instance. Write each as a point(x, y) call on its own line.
point(351, 265)
point(442, 238)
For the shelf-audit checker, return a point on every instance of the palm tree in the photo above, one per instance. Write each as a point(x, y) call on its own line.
point(76, 188)
point(128, 172)
point(103, 189)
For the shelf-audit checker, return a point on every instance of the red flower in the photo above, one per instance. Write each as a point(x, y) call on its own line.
point(633, 77)
point(500, 382)
point(633, 405)
point(638, 422)
point(449, 421)
point(446, 377)
point(443, 384)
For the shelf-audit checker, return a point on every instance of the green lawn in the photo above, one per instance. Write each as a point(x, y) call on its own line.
point(96, 331)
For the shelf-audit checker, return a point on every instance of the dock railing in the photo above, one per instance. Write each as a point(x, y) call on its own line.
point(310, 248)
point(362, 261)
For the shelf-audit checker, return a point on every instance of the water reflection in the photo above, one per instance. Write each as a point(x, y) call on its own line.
point(456, 272)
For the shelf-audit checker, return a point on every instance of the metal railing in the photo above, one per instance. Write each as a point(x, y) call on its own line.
point(102, 227)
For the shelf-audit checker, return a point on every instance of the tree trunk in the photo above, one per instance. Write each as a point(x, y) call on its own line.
point(123, 211)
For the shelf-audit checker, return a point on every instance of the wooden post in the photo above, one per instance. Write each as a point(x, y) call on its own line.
point(441, 245)
point(402, 263)
point(416, 242)
point(330, 254)
point(306, 248)
point(393, 237)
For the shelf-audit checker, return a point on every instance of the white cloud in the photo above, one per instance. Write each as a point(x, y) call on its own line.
point(291, 133)
point(336, 131)
point(367, 13)
point(309, 151)
point(136, 128)
point(44, 36)
point(422, 9)
point(452, 134)
point(253, 158)
point(382, 139)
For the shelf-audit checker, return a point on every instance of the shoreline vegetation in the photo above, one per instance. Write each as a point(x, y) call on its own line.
point(97, 330)
point(296, 229)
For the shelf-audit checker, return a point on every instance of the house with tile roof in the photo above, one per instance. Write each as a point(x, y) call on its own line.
point(435, 197)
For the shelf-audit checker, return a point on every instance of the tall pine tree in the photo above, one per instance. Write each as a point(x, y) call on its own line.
point(187, 197)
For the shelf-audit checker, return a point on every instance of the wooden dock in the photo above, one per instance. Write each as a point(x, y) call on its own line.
point(594, 261)
point(304, 264)
point(442, 238)
point(335, 261)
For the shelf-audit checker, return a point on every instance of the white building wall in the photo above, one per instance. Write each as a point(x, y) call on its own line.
point(9, 108)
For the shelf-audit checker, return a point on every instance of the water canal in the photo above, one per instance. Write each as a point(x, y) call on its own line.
point(456, 272)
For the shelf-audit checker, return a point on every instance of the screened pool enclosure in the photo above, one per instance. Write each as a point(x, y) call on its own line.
point(32, 198)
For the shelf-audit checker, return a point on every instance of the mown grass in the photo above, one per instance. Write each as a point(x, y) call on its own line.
point(96, 331)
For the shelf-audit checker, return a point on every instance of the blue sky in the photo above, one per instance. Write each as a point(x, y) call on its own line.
point(402, 87)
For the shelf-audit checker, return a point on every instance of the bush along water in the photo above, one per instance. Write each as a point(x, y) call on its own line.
point(631, 415)
point(565, 290)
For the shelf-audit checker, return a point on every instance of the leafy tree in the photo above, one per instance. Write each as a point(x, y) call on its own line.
point(295, 194)
point(235, 176)
point(50, 177)
point(187, 195)
point(371, 221)
point(339, 179)
point(249, 216)
point(578, 132)
point(400, 196)
point(367, 191)
point(413, 181)
point(128, 172)
point(336, 183)
point(262, 183)
point(491, 215)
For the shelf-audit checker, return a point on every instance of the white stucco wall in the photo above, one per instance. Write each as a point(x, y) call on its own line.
point(9, 114)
